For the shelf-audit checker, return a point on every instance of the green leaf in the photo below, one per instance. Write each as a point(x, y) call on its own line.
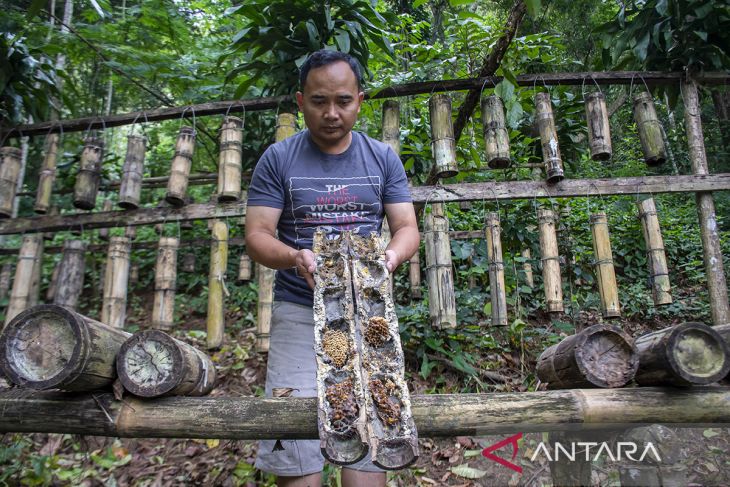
point(533, 7)
point(464, 470)
point(662, 8)
point(505, 90)
point(418, 3)
point(709, 433)
point(456, 3)
point(35, 7)
point(701, 34)
point(641, 47)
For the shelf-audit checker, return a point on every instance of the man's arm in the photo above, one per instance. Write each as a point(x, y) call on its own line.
point(404, 234)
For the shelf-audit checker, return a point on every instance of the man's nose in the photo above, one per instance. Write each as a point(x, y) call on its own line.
point(331, 111)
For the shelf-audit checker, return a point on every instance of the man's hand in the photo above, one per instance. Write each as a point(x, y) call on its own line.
point(305, 265)
point(391, 260)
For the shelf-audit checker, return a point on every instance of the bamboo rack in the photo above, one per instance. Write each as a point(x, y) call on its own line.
point(549, 138)
point(177, 185)
point(116, 279)
point(496, 138)
point(47, 175)
point(496, 270)
point(605, 274)
point(550, 261)
point(130, 188)
point(215, 320)
point(655, 256)
point(441, 297)
point(89, 174)
point(443, 146)
point(599, 130)
point(163, 310)
point(9, 174)
point(229, 162)
point(70, 280)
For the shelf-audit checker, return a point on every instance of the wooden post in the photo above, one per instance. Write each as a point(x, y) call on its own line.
point(391, 125)
point(527, 267)
point(130, 188)
point(28, 256)
point(650, 129)
point(5, 273)
point(87, 178)
point(550, 261)
point(177, 185)
point(441, 297)
point(599, 130)
point(605, 274)
point(229, 162)
point(712, 250)
point(104, 232)
point(655, 256)
point(497, 291)
point(244, 268)
point(414, 276)
point(70, 281)
point(10, 163)
point(49, 347)
point(549, 137)
point(116, 279)
point(496, 138)
point(165, 282)
point(443, 146)
point(152, 364)
point(216, 284)
point(47, 175)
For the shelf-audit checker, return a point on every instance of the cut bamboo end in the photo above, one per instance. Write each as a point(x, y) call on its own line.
point(87, 179)
point(177, 183)
point(414, 276)
point(163, 309)
point(265, 280)
point(116, 280)
point(550, 261)
point(229, 161)
point(130, 188)
point(650, 129)
point(244, 269)
point(496, 270)
point(549, 138)
point(70, 280)
point(286, 126)
point(104, 232)
point(29, 257)
point(47, 175)
point(391, 125)
point(439, 273)
point(655, 255)
point(10, 162)
point(599, 131)
point(215, 320)
point(605, 273)
point(443, 145)
point(496, 137)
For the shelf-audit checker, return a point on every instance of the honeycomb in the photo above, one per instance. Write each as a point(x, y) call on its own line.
point(341, 398)
point(377, 331)
point(388, 410)
point(336, 345)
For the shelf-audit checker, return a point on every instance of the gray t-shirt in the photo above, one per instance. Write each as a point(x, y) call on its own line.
point(336, 192)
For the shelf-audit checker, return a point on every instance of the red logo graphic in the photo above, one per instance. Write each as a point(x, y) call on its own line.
point(512, 440)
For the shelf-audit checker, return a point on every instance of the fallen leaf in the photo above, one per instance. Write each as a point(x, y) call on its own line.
point(212, 443)
point(468, 472)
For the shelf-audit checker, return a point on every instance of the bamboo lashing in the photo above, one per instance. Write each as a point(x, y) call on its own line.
point(215, 319)
point(28, 257)
point(443, 145)
point(10, 162)
point(47, 175)
point(229, 162)
point(104, 232)
point(549, 138)
point(391, 125)
point(116, 279)
point(439, 273)
point(89, 174)
point(605, 274)
point(650, 129)
point(5, 275)
point(414, 276)
point(163, 309)
point(496, 138)
point(130, 188)
point(497, 291)
point(244, 268)
point(527, 267)
point(655, 255)
point(550, 261)
point(177, 185)
point(599, 130)
point(70, 281)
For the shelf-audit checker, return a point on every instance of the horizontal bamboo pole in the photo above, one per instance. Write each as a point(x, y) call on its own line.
point(152, 182)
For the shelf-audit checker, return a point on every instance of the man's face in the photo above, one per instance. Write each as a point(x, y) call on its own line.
point(330, 104)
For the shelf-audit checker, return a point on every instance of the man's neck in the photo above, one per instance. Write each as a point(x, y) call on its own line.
point(338, 148)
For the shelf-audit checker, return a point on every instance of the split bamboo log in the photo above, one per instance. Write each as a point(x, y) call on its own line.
point(605, 274)
point(217, 285)
point(650, 129)
point(414, 276)
point(497, 292)
point(130, 188)
point(87, 179)
point(244, 268)
point(496, 138)
point(10, 162)
point(550, 262)
point(682, 355)
point(116, 279)
point(655, 256)
point(527, 267)
point(49, 346)
point(188, 262)
point(70, 280)
point(177, 185)
point(5, 276)
point(443, 146)
point(29, 254)
point(549, 138)
point(599, 130)
point(229, 162)
point(599, 356)
point(441, 297)
point(391, 125)
point(104, 232)
point(47, 175)
point(163, 310)
point(152, 364)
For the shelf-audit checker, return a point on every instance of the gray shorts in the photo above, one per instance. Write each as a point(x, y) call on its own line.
point(292, 363)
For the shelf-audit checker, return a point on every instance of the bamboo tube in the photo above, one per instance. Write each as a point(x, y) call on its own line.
point(650, 129)
point(133, 273)
point(682, 355)
point(549, 137)
point(10, 162)
point(605, 274)
point(496, 138)
point(177, 185)
point(391, 125)
point(286, 126)
point(104, 232)
point(550, 261)
point(188, 262)
point(187, 224)
point(229, 162)
point(441, 297)
point(87, 179)
point(443, 146)
point(130, 188)
point(655, 256)
point(70, 281)
point(498, 294)
point(163, 309)
point(527, 267)
point(265, 278)
point(216, 284)
point(244, 268)
point(52, 211)
point(130, 232)
point(599, 130)
point(51, 291)
point(414, 276)
point(5, 273)
point(116, 279)
point(35, 283)
point(49, 346)
point(47, 175)
point(152, 364)
point(28, 255)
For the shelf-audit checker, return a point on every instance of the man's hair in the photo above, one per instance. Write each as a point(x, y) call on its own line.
point(324, 57)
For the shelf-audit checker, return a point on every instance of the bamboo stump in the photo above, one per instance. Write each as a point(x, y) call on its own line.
point(549, 138)
point(104, 232)
point(650, 130)
point(70, 281)
point(443, 145)
point(605, 274)
point(550, 261)
point(439, 273)
point(229, 162)
point(244, 268)
point(496, 271)
point(215, 319)
point(414, 276)
point(655, 256)
point(391, 125)
point(10, 163)
point(163, 309)
point(496, 138)
point(50, 346)
point(130, 188)
point(599, 131)
point(177, 184)
point(47, 175)
point(29, 258)
point(87, 179)
point(116, 279)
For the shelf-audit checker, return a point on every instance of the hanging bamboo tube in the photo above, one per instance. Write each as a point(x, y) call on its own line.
point(496, 138)
point(244, 268)
point(605, 274)
point(47, 175)
point(655, 256)
point(599, 130)
point(496, 270)
point(441, 297)
point(188, 262)
point(650, 129)
point(130, 188)
point(10, 162)
point(550, 261)
point(286, 126)
point(52, 347)
point(35, 283)
point(391, 125)
point(527, 267)
point(443, 146)
point(87, 179)
point(104, 232)
point(177, 184)
point(549, 138)
point(216, 284)
point(70, 280)
point(52, 211)
point(229, 162)
point(5, 275)
point(130, 232)
point(163, 309)
point(133, 273)
point(116, 279)
point(414, 276)
point(29, 253)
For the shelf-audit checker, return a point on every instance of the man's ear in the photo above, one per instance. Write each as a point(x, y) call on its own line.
point(360, 98)
point(300, 100)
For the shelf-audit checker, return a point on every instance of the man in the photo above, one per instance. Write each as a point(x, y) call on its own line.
point(327, 176)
